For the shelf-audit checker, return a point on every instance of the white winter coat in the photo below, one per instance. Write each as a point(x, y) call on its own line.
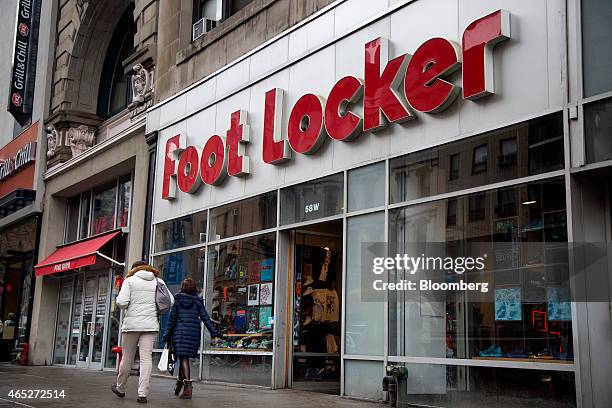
point(137, 297)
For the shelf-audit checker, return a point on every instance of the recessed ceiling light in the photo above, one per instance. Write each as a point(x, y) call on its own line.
point(529, 202)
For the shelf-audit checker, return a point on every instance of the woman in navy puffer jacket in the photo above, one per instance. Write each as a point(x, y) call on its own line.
point(183, 331)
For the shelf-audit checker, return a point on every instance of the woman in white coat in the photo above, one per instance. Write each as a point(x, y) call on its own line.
point(140, 325)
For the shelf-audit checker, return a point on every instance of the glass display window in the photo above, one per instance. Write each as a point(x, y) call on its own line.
point(240, 294)
point(181, 232)
point(242, 217)
point(525, 312)
point(312, 200)
point(104, 205)
point(176, 266)
point(524, 149)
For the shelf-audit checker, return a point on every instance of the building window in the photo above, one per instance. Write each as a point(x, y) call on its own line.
point(597, 129)
point(451, 212)
point(454, 165)
point(535, 146)
point(479, 159)
point(477, 205)
point(98, 210)
point(207, 14)
point(507, 152)
point(596, 50)
point(115, 87)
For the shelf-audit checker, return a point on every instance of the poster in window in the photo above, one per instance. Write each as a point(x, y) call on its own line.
point(243, 272)
point(240, 320)
point(559, 306)
point(267, 270)
point(265, 317)
point(252, 319)
point(253, 295)
point(265, 294)
point(508, 304)
point(254, 269)
point(241, 295)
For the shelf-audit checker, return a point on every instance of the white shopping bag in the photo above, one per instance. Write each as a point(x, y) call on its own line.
point(163, 361)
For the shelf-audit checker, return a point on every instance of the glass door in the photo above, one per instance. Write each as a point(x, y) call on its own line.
point(94, 316)
point(317, 307)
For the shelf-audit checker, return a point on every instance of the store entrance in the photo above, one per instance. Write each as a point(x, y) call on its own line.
point(82, 313)
point(317, 308)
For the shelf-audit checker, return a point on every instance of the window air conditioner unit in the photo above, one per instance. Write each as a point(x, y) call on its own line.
point(201, 27)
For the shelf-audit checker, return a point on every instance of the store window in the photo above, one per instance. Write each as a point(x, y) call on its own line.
point(72, 219)
point(104, 209)
point(364, 320)
point(240, 298)
point(521, 150)
point(525, 313)
point(176, 266)
point(98, 210)
point(453, 386)
point(596, 51)
point(241, 291)
point(366, 187)
point(598, 128)
point(125, 197)
point(181, 232)
point(316, 199)
point(242, 217)
point(85, 214)
point(62, 324)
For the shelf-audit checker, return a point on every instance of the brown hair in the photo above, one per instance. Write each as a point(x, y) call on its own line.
point(189, 286)
point(142, 266)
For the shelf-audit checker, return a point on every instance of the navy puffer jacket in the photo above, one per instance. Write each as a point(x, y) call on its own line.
point(183, 330)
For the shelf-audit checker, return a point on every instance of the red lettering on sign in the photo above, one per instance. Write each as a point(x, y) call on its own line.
point(340, 122)
point(424, 87)
point(305, 130)
point(380, 96)
point(188, 166)
point(479, 39)
point(237, 138)
point(213, 166)
point(173, 145)
point(275, 147)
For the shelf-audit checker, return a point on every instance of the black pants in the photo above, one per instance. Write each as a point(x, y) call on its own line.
point(184, 369)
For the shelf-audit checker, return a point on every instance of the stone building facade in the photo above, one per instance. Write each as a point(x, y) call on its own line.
point(112, 60)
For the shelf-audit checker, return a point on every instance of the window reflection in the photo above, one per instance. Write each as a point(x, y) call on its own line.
point(520, 150)
point(525, 313)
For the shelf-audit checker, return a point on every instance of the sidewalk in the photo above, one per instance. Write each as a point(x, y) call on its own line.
point(91, 389)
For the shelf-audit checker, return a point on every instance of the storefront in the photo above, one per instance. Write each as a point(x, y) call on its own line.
point(276, 172)
point(19, 229)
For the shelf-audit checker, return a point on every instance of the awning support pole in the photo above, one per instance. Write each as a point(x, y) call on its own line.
point(108, 258)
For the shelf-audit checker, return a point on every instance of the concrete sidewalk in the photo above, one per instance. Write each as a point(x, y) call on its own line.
point(91, 389)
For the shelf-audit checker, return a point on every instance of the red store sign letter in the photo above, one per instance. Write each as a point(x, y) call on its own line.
point(478, 41)
point(380, 89)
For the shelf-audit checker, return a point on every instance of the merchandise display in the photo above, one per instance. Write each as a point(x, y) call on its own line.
point(241, 303)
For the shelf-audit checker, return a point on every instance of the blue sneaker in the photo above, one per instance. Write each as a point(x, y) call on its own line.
point(492, 351)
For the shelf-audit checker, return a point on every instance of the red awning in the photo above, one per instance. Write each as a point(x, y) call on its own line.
point(76, 255)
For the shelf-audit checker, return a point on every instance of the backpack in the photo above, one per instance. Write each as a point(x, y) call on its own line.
point(163, 298)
